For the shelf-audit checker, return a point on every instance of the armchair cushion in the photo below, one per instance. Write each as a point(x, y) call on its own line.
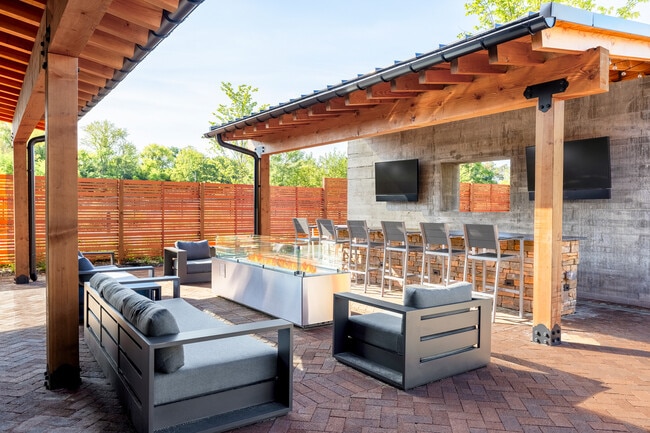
point(195, 250)
point(154, 320)
point(85, 264)
point(417, 296)
point(379, 329)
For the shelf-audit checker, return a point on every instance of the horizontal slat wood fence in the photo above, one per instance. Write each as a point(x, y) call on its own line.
point(480, 197)
point(140, 218)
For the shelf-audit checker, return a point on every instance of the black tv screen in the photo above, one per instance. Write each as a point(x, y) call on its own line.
point(397, 180)
point(587, 169)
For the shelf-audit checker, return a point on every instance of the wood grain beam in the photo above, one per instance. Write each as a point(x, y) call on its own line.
point(382, 91)
point(168, 5)
point(442, 76)
point(137, 12)
point(112, 43)
point(16, 27)
point(515, 53)
point(16, 43)
point(411, 83)
point(476, 64)
point(565, 39)
point(121, 28)
point(587, 74)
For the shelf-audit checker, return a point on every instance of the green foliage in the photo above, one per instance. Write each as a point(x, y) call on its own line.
point(107, 153)
point(157, 162)
point(485, 172)
point(493, 12)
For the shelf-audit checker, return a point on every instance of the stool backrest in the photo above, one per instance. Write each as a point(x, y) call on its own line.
point(326, 229)
point(481, 236)
point(435, 234)
point(394, 231)
point(358, 230)
point(301, 226)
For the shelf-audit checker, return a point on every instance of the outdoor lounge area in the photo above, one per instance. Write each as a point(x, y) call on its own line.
point(598, 379)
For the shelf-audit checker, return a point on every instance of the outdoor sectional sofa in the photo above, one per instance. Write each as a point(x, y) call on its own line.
point(176, 368)
point(440, 331)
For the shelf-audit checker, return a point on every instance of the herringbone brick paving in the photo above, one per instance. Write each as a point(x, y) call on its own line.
point(597, 380)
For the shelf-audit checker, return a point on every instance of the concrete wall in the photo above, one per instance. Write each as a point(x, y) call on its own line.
point(615, 254)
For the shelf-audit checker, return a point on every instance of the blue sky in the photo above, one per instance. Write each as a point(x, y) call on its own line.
point(285, 48)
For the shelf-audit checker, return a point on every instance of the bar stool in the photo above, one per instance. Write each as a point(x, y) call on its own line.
point(396, 240)
point(303, 233)
point(436, 243)
point(485, 238)
point(328, 235)
point(360, 240)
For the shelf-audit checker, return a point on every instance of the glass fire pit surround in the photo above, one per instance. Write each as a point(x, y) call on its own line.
point(276, 276)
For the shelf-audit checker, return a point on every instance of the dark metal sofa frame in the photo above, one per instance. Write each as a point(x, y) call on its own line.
point(110, 336)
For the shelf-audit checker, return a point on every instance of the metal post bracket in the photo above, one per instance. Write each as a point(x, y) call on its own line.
point(545, 92)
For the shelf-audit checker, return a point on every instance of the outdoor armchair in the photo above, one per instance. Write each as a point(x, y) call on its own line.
point(190, 261)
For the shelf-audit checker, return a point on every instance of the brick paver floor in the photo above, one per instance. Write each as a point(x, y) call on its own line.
point(597, 380)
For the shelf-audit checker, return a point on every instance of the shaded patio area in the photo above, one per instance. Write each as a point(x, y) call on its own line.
point(598, 379)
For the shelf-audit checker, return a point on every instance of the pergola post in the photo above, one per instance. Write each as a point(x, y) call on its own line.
point(549, 160)
point(62, 313)
point(21, 213)
point(265, 195)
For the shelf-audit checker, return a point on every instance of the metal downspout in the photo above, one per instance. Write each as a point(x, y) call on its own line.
point(256, 179)
point(31, 193)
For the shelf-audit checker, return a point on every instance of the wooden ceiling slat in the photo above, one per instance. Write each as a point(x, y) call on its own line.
point(95, 80)
point(383, 91)
point(442, 76)
point(338, 104)
point(94, 68)
point(319, 110)
point(10, 65)
point(17, 28)
point(102, 56)
point(290, 120)
point(411, 83)
point(120, 28)
point(515, 53)
point(304, 116)
point(168, 5)
point(476, 64)
point(88, 88)
point(137, 12)
point(359, 99)
point(16, 43)
point(107, 41)
point(22, 11)
point(17, 56)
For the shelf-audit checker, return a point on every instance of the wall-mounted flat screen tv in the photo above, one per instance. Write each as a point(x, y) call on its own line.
point(397, 180)
point(587, 169)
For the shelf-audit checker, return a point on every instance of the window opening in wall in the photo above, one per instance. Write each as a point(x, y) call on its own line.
point(485, 186)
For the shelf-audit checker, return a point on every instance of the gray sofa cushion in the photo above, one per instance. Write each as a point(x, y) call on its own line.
point(379, 329)
point(154, 320)
point(195, 250)
point(226, 363)
point(98, 282)
point(416, 296)
point(199, 266)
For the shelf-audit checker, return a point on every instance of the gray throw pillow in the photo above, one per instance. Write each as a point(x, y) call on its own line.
point(99, 281)
point(195, 250)
point(416, 296)
point(153, 320)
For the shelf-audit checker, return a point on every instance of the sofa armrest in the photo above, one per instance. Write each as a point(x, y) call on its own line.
point(120, 269)
point(176, 284)
point(175, 262)
point(346, 297)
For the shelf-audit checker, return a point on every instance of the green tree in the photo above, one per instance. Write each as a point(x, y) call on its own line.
point(295, 168)
point(334, 164)
point(193, 166)
point(6, 152)
point(107, 153)
point(493, 12)
point(485, 172)
point(157, 162)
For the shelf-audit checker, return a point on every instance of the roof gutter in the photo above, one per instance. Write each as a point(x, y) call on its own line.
point(257, 187)
point(482, 41)
point(169, 22)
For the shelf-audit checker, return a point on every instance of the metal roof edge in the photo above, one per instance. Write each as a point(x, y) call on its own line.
point(169, 23)
point(574, 15)
point(515, 29)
